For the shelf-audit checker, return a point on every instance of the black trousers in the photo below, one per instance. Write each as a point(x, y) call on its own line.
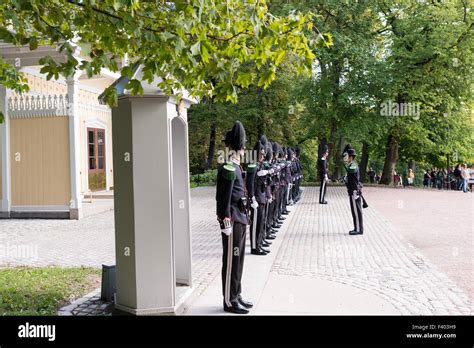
point(356, 210)
point(269, 217)
point(284, 198)
point(322, 190)
point(293, 191)
point(277, 204)
point(233, 247)
point(257, 227)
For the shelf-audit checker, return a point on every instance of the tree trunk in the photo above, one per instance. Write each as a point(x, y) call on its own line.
point(212, 146)
point(322, 143)
point(391, 158)
point(337, 158)
point(364, 161)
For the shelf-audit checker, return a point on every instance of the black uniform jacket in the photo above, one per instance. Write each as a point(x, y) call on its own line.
point(352, 179)
point(323, 167)
point(229, 191)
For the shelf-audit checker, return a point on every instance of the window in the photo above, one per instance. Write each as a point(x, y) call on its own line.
point(96, 149)
point(96, 158)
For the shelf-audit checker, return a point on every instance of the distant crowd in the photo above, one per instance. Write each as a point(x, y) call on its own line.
point(459, 178)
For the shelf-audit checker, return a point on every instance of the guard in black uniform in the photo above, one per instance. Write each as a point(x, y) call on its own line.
point(289, 180)
point(298, 176)
point(354, 189)
point(257, 228)
point(323, 175)
point(232, 216)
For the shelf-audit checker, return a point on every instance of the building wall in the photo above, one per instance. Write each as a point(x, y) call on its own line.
point(40, 85)
point(88, 117)
point(40, 172)
point(94, 117)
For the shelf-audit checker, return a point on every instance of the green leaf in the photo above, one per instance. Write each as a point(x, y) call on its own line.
point(245, 79)
point(135, 86)
point(279, 56)
point(267, 77)
point(33, 43)
point(204, 54)
point(196, 48)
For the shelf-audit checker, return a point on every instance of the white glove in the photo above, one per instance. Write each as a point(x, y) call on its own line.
point(262, 172)
point(270, 200)
point(271, 171)
point(326, 178)
point(226, 228)
point(254, 203)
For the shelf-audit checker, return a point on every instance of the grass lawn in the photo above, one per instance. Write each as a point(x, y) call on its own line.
point(41, 291)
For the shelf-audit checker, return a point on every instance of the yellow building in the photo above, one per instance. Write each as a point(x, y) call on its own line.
point(55, 142)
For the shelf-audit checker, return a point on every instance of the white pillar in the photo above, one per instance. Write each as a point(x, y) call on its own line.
point(5, 205)
point(143, 212)
point(151, 195)
point(181, 197)
point(74, 151)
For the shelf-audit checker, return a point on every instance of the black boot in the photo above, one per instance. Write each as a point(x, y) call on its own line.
point(244, 303)
point(258, 252)
point(236, 308)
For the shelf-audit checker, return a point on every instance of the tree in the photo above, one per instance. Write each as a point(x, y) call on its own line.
point(430, 62)
point(416, 52)
point(207, 47)
point(274, 111)
point(342, 96)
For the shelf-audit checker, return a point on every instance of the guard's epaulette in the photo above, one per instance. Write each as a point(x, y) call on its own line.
point(251, 168)
point(228, 171)
point(352, 168)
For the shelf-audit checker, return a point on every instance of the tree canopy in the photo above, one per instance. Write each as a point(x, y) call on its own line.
point(415, 53)
point(314, 72)
point(208, 47)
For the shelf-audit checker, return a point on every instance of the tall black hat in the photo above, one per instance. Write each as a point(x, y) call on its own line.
point(297, 151)
point(235, 138)
point(282, 151)
point(289, 152)
point(349, 150)
point(275, 148)
point(261, 146)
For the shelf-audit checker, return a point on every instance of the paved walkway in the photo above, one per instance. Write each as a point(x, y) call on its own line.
point(437, 223)
point(86, 242)
point(320, 269)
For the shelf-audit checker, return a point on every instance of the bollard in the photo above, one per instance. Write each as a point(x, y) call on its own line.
point(108, 283)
